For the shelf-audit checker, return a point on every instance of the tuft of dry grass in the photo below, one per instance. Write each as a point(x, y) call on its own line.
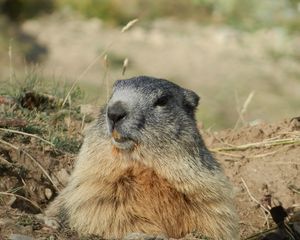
point(27, 134)
point(263, 144)
point(243, 110)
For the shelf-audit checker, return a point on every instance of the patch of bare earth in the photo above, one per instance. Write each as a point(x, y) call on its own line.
point(263, 163)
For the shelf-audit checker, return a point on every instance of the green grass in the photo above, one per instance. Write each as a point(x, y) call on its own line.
point(54, 123)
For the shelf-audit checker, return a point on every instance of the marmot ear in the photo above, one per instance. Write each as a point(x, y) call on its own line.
point(191, 98)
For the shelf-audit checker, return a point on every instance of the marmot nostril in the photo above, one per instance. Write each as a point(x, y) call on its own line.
point(116, 112)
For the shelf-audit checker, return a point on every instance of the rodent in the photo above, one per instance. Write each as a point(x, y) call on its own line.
point(143, 167)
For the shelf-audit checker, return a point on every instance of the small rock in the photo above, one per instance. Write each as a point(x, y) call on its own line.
point(48, 193)
point(19, 237)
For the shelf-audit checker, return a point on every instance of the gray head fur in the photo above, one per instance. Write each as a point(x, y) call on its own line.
point(156, 114)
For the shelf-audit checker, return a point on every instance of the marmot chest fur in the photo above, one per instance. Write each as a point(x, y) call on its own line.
point(144, 167)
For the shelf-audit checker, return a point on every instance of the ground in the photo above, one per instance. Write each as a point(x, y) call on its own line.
point(40, 139)
point(263, 163)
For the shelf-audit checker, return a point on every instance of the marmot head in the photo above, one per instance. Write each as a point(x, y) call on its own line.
point(148, 111)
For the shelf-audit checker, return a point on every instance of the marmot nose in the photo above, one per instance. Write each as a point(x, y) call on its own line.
point(116, 113)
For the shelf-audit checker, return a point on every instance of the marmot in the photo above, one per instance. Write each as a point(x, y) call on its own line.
point(144, 167)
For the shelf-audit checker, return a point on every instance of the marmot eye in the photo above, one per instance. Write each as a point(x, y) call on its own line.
point(162, 101)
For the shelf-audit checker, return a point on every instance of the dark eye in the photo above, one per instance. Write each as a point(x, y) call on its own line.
point(162, 101)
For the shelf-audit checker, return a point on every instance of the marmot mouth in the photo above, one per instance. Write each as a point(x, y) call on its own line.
point(122, 142)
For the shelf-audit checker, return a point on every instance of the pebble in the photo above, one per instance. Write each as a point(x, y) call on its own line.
point(48, 193)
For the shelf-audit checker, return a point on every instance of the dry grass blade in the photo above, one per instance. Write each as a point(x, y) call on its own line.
point(82, 123)
point(24, 198)
point(125, 65)
point(2, 160)
point(243, 156)
point(92, 63)
point(129, 25)
point(33, 159)
point(294, 189)
point(27, 134)
point(244, 109)
point(105, 77)
point(265, 211)
point(270, 143)
point(296, 133)
point(253, 198)
point(247, 102)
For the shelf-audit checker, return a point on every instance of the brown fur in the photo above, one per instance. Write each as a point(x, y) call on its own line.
point(112, 193)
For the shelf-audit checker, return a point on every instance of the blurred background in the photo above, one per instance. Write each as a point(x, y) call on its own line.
point(241, 57)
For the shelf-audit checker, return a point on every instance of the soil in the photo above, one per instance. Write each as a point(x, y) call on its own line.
point(264, 173)
point(271, 173)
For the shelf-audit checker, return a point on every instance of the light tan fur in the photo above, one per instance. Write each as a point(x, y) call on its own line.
point(113, 192)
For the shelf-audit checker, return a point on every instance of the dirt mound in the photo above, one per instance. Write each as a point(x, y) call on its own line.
point(263, 163)
point(37, 154)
